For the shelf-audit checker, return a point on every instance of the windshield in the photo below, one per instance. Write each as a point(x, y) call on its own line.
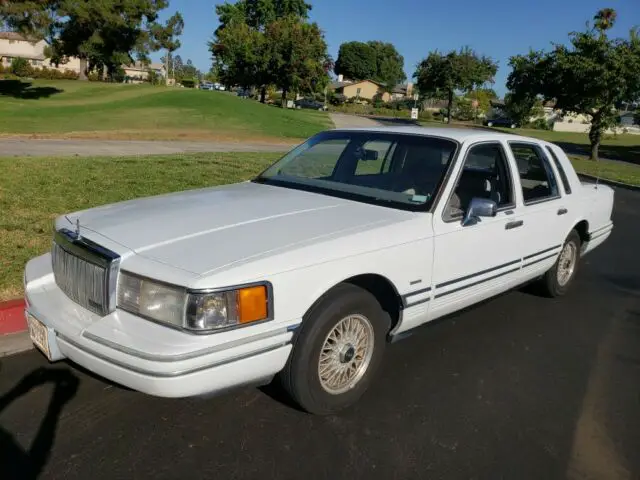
point(378, 167)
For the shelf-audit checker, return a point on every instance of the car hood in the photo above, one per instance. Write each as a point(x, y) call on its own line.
point(204, 230)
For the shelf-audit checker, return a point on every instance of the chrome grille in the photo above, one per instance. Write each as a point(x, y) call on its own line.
point(85, 272)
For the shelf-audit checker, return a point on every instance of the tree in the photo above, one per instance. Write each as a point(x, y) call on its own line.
point(441, 75)
point(590, 76)
point(373, 60)
point(389, 65)
point(101, 34)
point(521, 110)
point(243, 50)
point(166, 38)
point(356, 61)
point(298, 59)
point(240, 56)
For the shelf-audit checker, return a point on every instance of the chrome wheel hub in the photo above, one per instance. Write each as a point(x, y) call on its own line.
point(346, 354)
point(567, 263)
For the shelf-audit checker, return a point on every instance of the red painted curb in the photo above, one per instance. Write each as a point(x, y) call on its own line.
point(12, 317)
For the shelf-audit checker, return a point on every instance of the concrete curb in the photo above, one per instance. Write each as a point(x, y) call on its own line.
point(15, 343)
point(611, 183)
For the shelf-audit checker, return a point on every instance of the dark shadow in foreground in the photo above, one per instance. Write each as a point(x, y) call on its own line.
point(15, 461)
point(25, 90)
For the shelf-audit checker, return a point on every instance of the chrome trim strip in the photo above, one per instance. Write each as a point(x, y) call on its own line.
point(149, 373)
point(455, 290)
point(540, 259)
point(541, 252)
point(417, 292)
point(417, 302)
point(601, 234)
point(185, 356)
point(466, 277)
point(597, 230)
point(84, 248)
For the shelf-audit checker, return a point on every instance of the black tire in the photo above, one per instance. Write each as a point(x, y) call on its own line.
point(300, 377)
point(550, 283)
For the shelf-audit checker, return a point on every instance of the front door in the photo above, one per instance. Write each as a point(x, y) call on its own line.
point(474, 262)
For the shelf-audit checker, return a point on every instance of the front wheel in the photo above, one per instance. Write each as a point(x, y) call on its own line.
point(337, 352)
point(558, 279)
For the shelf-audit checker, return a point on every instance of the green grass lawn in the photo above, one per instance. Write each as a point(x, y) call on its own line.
point(68, 108)
point(34, 191)
point(610, 170)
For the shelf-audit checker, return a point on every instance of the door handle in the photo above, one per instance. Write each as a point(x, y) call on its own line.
point(562, 211)
point(516, 224)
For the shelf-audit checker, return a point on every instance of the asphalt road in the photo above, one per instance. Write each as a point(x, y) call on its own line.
point(521, 387)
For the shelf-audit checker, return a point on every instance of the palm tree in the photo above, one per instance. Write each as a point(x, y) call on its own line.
point(605, 19)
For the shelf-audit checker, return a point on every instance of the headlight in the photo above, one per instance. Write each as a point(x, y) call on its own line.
point(197, 311)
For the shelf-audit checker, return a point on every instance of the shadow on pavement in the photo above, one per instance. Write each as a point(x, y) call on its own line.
point(25, 90)
point(15, 461)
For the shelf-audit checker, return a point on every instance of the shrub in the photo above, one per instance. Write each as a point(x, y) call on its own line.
point(53, 74)
point(337, 99)
point(21, 67)
point(94, 77)
point(539, 124)
point(188, 82)
point(425, 115)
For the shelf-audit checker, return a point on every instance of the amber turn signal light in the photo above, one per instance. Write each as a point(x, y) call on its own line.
point(252, 304)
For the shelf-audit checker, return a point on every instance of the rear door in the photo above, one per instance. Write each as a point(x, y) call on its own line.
point(474, 262)
point(543, 211)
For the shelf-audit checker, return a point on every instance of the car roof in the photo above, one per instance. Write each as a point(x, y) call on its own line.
point(454, 133)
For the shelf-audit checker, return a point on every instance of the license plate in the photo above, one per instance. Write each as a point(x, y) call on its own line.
point(39, 335)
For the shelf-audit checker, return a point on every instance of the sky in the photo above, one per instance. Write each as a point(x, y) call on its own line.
point(498, 28)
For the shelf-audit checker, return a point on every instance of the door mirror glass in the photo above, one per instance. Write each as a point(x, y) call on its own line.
point(479, 207)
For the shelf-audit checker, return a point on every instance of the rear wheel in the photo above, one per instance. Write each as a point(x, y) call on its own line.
point(558, 279)
point(338, 350)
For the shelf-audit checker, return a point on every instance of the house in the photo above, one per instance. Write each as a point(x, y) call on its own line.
point(139, 72)
point(15, 45)
point(400, 92)
point(365, 89)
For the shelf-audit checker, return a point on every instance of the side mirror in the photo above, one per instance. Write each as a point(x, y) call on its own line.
point(479, 207)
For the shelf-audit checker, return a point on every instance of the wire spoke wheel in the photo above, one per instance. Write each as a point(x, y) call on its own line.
point(567, 263)
point(346, 354)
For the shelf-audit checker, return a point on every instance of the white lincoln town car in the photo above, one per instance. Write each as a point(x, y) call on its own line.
point(305, 272)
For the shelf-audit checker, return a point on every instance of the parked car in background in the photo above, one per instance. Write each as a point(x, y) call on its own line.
point(501, 122)
point(219, 86)
point(310, 103)
point(351, 240)
point(206, 86)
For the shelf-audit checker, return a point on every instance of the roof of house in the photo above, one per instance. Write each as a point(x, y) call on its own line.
point(355, 82)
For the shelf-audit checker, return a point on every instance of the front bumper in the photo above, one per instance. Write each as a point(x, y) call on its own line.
point(148, 357)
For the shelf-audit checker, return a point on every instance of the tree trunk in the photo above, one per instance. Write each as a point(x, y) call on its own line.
point(449, 106)
point(166, 69)
point(595, 136)
point(263, 94)
point(83, 69)
point(283, 102)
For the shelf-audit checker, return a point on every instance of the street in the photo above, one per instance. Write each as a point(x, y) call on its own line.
point(520, 387)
